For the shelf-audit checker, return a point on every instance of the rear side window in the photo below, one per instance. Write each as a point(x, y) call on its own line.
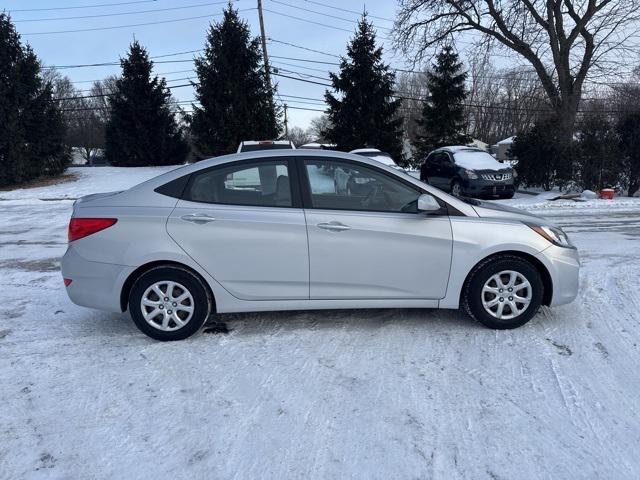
point(262, 184)
point(174, 188)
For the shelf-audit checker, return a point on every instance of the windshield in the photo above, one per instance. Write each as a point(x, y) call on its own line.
point(477, 160)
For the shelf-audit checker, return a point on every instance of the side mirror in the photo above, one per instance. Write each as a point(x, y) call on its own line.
point(426, 203)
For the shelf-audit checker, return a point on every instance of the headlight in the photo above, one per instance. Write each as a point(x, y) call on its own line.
point(553, 234)
point(471, 174)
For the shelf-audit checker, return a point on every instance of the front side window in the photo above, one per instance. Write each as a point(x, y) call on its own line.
point(338, 185)
point(263, 184)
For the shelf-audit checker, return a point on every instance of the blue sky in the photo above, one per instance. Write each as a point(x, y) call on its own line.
point(182, 36)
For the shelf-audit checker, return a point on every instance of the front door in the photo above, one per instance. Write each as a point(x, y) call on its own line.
point(368, 240)
point(240, 222)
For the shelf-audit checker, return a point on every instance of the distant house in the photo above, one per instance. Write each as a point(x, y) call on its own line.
point(479, 144)
point(502, 149)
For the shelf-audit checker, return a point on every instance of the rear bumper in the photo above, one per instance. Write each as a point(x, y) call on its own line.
point(94, 284)
point(563, 265)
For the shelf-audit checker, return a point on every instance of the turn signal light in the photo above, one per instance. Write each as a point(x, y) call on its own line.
point(82, 227)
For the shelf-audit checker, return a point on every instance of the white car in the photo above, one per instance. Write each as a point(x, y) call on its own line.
point(256, 145)
point(377, 155)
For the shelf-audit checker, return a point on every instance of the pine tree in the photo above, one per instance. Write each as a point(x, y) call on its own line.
point(236, 103)
point(142, 129)
point(443, 120)
point(32, 130)
point(366, 115)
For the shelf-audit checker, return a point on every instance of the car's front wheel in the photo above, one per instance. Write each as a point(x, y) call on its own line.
point(503, 292)
point(169, 303)
point(456, 188)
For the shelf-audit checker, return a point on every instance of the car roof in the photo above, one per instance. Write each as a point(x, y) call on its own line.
point(459, 148)
point(366, 150)
point(265, 142)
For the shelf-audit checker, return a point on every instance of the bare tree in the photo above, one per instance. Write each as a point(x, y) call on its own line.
point(299, 136)
point(411, 87)
point(318, 127)
point(502, 102)
point(563, 40)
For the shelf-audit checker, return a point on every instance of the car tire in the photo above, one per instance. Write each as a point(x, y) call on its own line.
point(456, 188)
point(179, 313)
point(495, 273)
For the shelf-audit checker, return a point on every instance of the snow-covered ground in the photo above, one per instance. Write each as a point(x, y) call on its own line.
point(344, 394)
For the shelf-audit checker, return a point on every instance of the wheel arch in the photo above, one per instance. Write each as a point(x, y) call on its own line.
point(545, 276)
point(133, 276)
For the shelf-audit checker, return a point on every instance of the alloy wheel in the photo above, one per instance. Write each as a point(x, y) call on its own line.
point(167, 306)
point(506, 295)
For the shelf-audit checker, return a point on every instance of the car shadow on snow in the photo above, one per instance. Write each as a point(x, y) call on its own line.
point(340, 320)
point(273, 323)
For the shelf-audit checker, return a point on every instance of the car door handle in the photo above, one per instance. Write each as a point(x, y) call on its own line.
point(334, 226)
point(199, 218)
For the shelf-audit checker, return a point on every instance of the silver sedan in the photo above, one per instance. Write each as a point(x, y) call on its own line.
point(304, 229)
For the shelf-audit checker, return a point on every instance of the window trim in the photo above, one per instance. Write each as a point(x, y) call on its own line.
point(305, 186)
point(296, 201)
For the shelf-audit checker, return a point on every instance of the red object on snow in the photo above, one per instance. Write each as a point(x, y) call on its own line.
point(607, 193)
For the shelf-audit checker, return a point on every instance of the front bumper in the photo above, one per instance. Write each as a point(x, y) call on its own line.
point(94, 284)
point(486, 188)
point(563, 265)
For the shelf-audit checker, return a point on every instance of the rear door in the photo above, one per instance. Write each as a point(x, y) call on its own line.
point(243, 223)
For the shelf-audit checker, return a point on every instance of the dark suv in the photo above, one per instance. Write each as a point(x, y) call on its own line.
point(468, 171)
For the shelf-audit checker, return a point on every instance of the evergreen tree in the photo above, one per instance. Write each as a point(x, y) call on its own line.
point(32, 130)
point(142, 129)
point(236, 103)
point(366, 115)
point(443, 120)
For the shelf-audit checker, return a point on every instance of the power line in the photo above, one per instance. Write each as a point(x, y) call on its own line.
point(118, 14)
point(324, 14)
point(304, 60)
point(114, 27)
point(301, 79)
point(307, 20)
point(302, 48)
point(81, 6)
point(349, 11)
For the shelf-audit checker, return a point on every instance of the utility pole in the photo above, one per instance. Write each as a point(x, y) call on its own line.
point(267, 73)
point(286, 124)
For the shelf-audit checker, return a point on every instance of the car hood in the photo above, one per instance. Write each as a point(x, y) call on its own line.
point(497, 210)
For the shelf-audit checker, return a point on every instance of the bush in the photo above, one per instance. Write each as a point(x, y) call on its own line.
point(597, 154)
point(629, 134)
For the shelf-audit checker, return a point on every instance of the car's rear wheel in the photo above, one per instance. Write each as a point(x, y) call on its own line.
point(503, 292)
point(169, 303)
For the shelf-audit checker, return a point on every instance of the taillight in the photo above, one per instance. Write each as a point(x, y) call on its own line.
point(82, 227)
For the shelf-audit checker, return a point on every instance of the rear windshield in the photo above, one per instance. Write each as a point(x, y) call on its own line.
point(477, 160)
point(266, 146)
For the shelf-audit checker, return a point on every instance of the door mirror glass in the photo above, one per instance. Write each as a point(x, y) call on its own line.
point(426, 203)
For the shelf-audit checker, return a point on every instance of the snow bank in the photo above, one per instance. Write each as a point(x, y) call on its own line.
point(89, 180)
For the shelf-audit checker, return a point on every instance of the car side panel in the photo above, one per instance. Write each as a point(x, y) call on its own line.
point(474, 240)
